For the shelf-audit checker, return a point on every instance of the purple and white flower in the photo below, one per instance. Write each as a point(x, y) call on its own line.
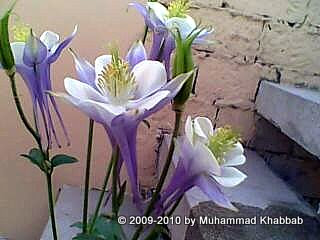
point(120, 94)
point(164, 21)
point(33, 60)
point(206, 159)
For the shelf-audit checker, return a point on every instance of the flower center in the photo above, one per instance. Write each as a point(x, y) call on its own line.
point(21, 32)
point(178, 8)
point(223, 141)
point(116, 81)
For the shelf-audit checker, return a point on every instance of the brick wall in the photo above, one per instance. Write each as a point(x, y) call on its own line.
point(278, 40)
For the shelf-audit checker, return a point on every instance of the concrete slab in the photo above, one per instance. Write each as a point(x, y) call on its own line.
point(251, 223)
point(294, 110)
point(68, 210)
point(260, 190)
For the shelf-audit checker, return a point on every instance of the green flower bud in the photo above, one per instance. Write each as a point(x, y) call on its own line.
point(183, 63)
point(6, 55)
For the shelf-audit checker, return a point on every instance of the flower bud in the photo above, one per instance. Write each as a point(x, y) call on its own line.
point(6, 55)
point(183, 63)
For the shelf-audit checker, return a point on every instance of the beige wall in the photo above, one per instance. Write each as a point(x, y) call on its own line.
point(23, 209)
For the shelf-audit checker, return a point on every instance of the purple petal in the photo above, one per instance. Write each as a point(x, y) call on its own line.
point(28, 76)
point(48, 87)
point(201, 39)
point(113, 143)
point(125, 133)
point(136, 54)
point(176, 181)
point(44, 79)
point(35, 52)
point(62, 46)
point(85, 71)
point(210, 187)
point(157, 40)
point(181, 191)
point(38, 82)
point(144, 12)
point(64, 129)
point(44, 122)
point(169, 46)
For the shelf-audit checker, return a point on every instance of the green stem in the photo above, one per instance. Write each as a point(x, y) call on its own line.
point(176, 204)
point(37, 138)
point(163, 174)
point(145, 34)
point(51, 206)
point(105, 183)
point(115, 183)
point(23, 117)
point(87, 179)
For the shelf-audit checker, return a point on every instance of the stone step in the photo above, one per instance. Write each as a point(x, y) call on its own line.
point(296, 111)
point(68, 210)
point(261, 194)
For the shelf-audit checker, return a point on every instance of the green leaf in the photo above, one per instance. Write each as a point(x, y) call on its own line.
point(77, 225)
point(36, 157)
point(109, 228)
point(61, 159)
point(85, 236)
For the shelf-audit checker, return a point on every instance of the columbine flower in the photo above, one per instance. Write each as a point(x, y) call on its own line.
point(225, 146)
point(33, 58)
point(120, 94)
point(204, 158)
point(163, 22)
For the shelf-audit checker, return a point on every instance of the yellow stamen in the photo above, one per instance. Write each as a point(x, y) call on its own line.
point(116, 80)
point(179, 8)
point(223, 141)
point(21, 32)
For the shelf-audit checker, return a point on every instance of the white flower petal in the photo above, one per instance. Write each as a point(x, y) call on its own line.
point(100, 63)
point(203, 127)
point(236, 161)
point(177, 150)
point(17, 50)
point(235, 156)
point(204, 161)
point(150, 76)
point(185, 25)
point(110, 108)
point(188, 129)
point(230, 177)
point(100, 112)
point(159, 10)
point(50, 39)
point(149, 102)
point(82, 90)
